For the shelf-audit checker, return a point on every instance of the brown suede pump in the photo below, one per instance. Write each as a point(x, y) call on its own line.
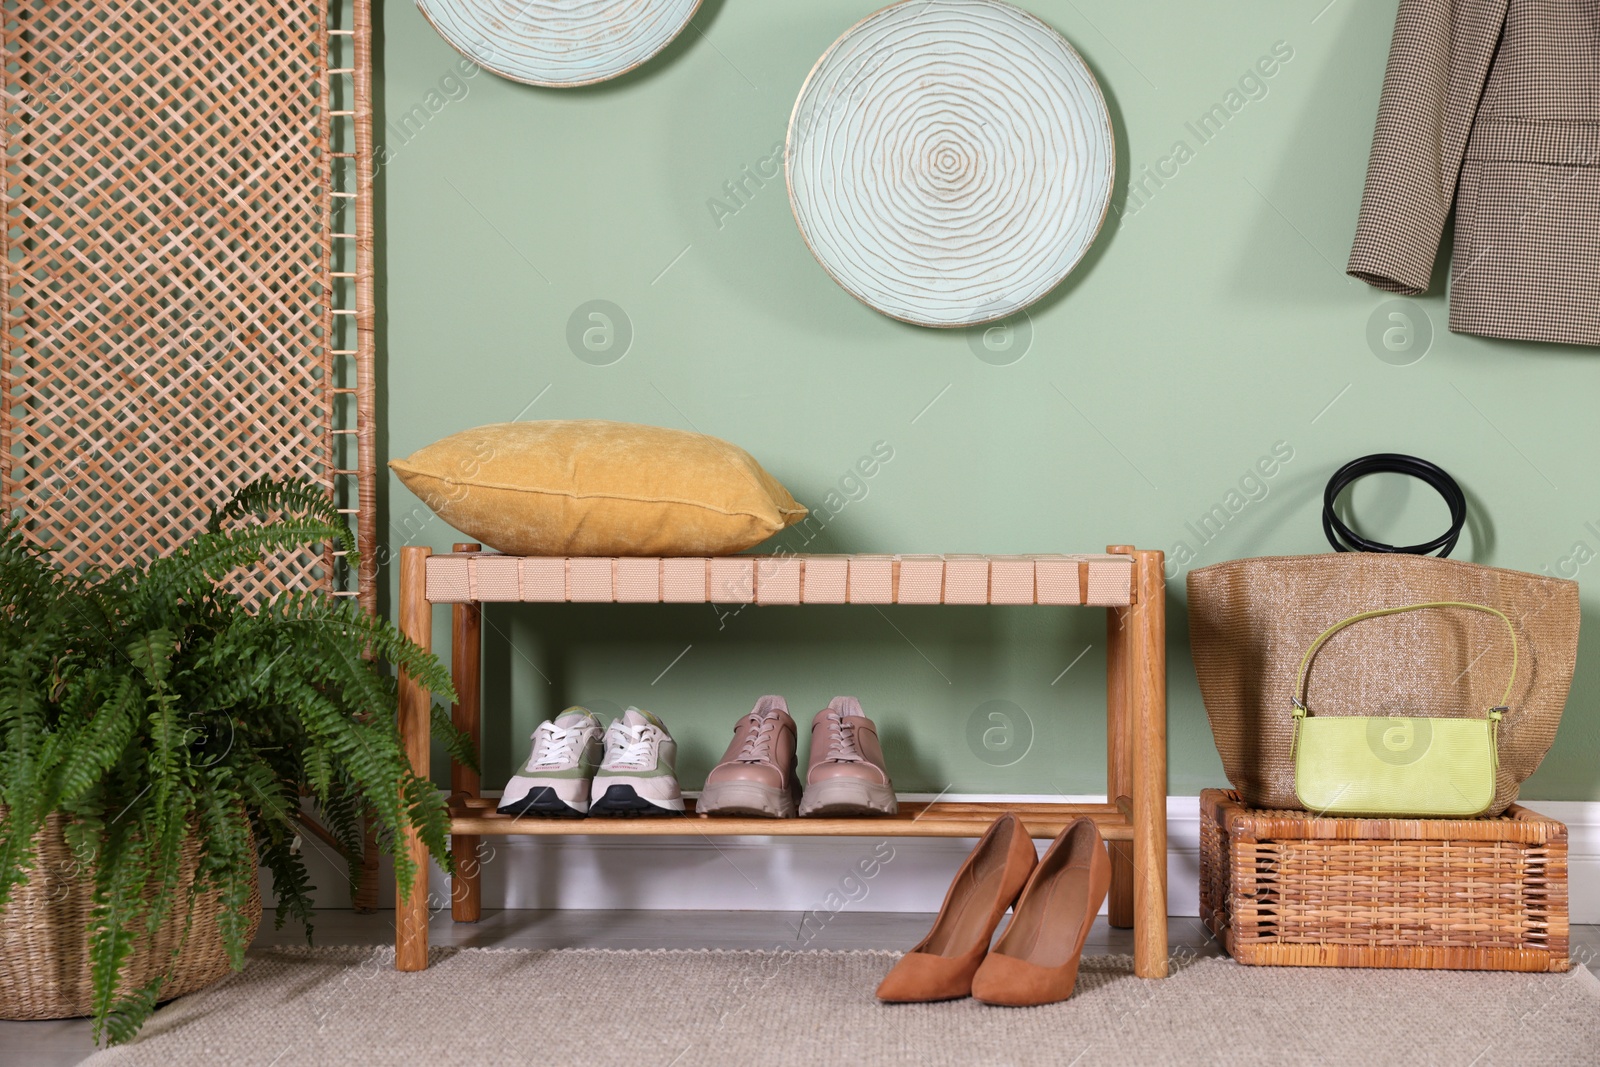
point(941, 966)
point(1036, 959)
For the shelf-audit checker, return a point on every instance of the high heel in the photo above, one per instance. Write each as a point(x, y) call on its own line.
point(941, 966)
point(1036, 959)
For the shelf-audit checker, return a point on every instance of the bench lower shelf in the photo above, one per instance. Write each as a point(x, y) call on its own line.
point(476, 817)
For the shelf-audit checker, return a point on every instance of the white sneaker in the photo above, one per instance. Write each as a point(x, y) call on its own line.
point(555, 780)
point(639, 773)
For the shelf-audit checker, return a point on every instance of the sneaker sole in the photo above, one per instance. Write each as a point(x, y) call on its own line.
point(542, 801)
point(622, 801)
point(747, 799)
point(848, 796)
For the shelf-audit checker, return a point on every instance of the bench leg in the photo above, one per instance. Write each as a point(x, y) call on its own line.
point(1146, 671)
point(1119, 758)
point(466, 667)
point(416, 622)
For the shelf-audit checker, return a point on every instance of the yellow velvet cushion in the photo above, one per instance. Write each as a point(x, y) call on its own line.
point(586, 487)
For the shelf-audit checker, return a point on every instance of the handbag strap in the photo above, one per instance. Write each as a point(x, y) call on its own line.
point(1344, 539)
point(1303, 681)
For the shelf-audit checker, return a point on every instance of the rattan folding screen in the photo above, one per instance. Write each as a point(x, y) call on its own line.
point(188, 269)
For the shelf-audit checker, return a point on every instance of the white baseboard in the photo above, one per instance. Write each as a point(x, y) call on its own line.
point(806, 874)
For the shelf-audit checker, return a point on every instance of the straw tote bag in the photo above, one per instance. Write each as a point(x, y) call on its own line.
point(1251, 621)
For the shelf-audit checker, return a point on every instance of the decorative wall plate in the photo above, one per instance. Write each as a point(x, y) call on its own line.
point(558, 43)
point(950, 161)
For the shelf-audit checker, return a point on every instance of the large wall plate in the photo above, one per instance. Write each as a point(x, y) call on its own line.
point(558, 43)
point(950, 161)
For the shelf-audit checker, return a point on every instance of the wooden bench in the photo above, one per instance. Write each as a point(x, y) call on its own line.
point(1127, 582)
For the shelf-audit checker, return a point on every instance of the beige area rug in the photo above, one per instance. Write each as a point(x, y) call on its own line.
point(592, 1007)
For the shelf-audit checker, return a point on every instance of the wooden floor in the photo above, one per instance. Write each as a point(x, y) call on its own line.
point(65, 1042)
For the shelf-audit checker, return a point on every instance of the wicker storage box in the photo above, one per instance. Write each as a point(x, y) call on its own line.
point(1292, 888)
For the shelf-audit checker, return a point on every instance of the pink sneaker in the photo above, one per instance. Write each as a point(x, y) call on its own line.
point(845, 774)
point(757, 774)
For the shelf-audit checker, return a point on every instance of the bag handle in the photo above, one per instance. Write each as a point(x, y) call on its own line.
point(1344, 539)
point(1303, 681)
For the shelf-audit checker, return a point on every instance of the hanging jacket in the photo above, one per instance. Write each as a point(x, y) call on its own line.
point(1493, 107)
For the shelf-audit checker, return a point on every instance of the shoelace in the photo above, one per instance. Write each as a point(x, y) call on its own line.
point(757, 747)
point(842, 741)
point(630, 746)
point(554, 747)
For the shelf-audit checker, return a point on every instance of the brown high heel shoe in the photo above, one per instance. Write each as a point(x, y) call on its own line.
point(1036, 959)
point(941, 966)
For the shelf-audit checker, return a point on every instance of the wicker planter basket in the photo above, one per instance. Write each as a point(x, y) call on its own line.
point(1292, 888)
point(44, 938)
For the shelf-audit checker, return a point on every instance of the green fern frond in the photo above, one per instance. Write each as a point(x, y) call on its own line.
point(96, 745)
point(122, 1020)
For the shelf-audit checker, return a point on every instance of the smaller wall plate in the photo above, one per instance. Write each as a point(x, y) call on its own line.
point(558, 43)
point(950, 161)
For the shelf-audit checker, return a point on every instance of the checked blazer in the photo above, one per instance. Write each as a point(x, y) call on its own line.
point(1493, 107)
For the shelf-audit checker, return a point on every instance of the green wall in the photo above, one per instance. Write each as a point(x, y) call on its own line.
point(1211, 323)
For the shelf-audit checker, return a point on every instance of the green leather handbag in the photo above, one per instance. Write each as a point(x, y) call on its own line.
point(1396, 765)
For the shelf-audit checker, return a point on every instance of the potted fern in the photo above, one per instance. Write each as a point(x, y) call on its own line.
point(159, 735)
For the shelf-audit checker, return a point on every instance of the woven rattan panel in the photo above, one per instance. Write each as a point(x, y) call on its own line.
point(186, 302)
